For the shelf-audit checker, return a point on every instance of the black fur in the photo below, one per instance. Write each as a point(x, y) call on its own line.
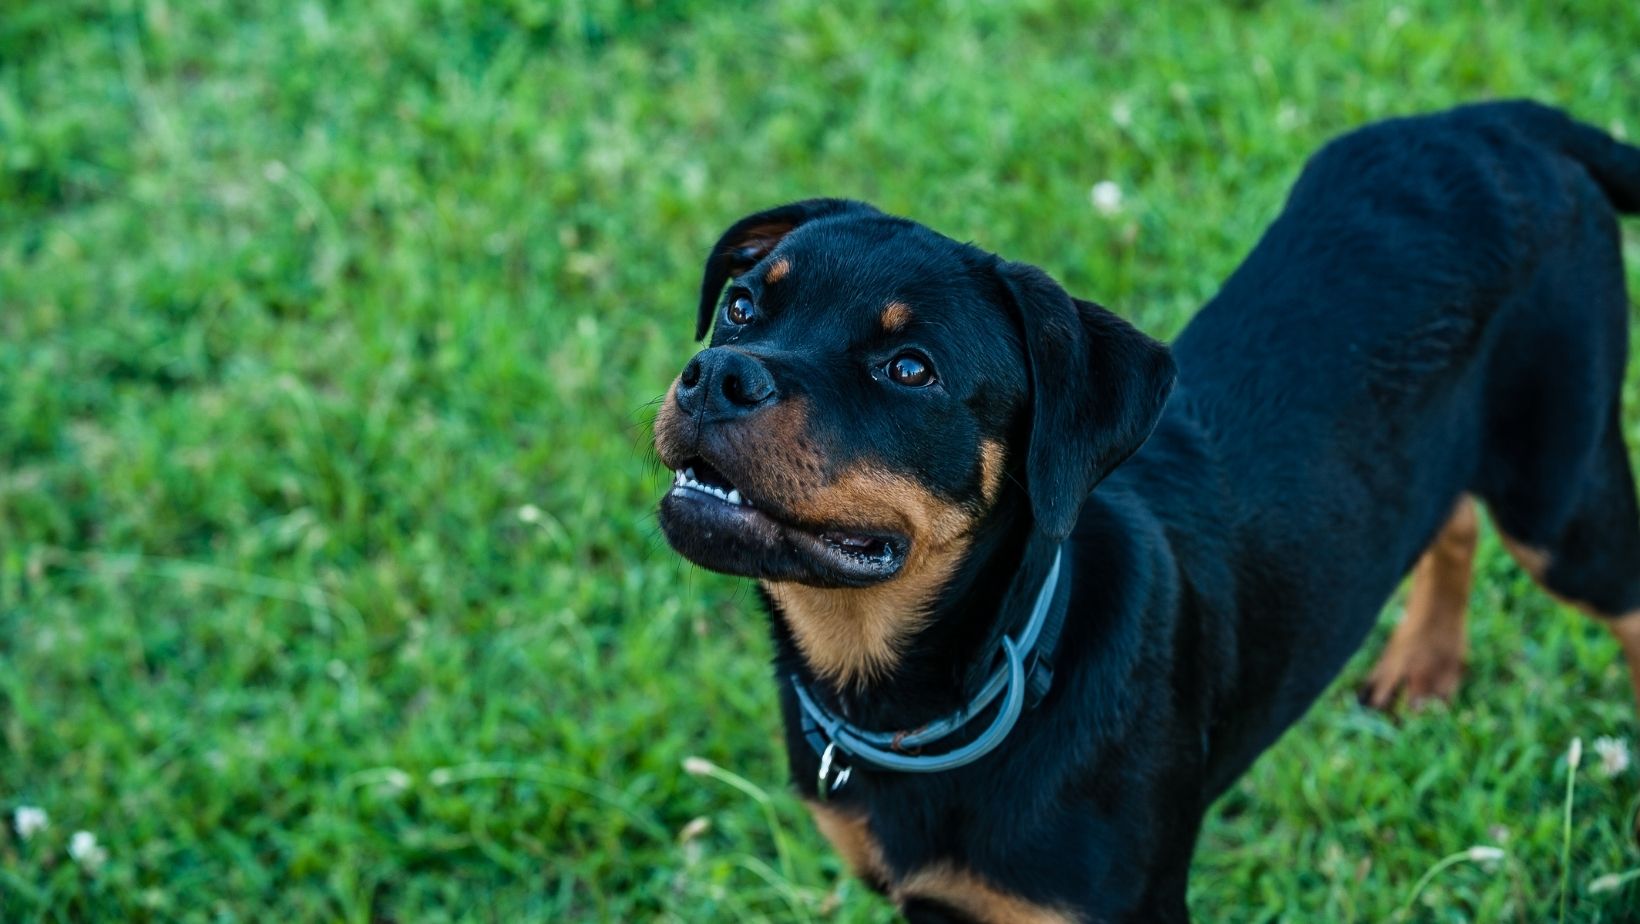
point(1439, 309)
point(1099, 389)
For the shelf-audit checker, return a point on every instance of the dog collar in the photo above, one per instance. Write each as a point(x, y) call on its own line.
point(1022, 679)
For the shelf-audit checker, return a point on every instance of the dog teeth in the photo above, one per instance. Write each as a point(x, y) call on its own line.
point(687, 479)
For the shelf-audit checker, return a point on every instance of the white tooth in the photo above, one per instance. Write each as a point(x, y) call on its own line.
point(678, 478)
point(734, 497)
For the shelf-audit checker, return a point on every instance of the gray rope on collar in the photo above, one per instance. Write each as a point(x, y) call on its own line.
point(828, 732)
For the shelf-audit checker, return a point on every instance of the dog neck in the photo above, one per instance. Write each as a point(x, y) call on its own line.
point(945, 640)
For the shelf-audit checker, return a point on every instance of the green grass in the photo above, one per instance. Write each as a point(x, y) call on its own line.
point(329, 338)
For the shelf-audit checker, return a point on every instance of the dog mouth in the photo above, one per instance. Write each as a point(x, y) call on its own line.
point(700, 476)
point(718, 525)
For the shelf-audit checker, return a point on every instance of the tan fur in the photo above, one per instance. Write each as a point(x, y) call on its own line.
point(1533, 561)
point(1625, 628)
point(896, 315)
point(777, 271)
point(847, 635)
point(992, 457)
point(779, 438)
point(1627, 631)
point(1425, 656)
point(788, 471)
point(850, 635)
point(851, 837)
point(975, 898)
point(669, 421)
point(760, 239)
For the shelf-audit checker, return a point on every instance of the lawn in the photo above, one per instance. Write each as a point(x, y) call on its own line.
point(330, 334)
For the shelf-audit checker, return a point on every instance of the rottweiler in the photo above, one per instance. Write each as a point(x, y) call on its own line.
point(1009, 696)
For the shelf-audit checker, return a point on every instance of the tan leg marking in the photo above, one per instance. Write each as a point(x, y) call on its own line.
point(1627, 631)
point(1532, 560)
point(1535, 562)
point(1425, 656)
point(975, 898)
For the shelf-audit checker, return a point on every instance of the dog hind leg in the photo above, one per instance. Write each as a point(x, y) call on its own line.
point(1425, 656)
point(1592, 561)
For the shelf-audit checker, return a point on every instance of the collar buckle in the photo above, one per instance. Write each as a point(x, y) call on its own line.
point(833, 772)
point(833, 737)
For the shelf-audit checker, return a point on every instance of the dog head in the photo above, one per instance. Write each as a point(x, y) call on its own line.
point(873, 391)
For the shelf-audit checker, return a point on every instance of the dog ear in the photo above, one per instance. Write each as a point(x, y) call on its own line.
point(1098, 387)
point(750, 240)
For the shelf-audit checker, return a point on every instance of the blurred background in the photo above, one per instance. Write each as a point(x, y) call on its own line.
point(330, 335)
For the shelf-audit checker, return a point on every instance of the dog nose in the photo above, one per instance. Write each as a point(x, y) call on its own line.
point(724, 383)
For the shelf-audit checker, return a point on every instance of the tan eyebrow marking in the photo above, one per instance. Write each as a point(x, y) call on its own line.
point(778, 270)
point(896, 315)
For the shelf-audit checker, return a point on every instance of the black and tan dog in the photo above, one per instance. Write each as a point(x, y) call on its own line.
point(1012, 697)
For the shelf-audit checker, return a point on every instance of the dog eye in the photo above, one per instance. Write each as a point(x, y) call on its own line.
point(910, 370)
point(740, 310)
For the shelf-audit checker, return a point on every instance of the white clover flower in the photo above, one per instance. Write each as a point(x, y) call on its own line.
point(1398, 17)
point(1574, 754)
point(1614, 755)
point(1121, 113)
point(30, 820)
point(1288, 116)
point(529, 513)
point(698, 766)
point(84, 849)
point(1106, 197)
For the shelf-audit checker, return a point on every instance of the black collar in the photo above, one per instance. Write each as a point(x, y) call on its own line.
point(1022, 676)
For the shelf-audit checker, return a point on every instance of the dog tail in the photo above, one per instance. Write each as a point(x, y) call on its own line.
point(1615, 166)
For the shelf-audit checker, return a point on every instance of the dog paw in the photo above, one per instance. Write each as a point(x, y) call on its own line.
point(1417, 677)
